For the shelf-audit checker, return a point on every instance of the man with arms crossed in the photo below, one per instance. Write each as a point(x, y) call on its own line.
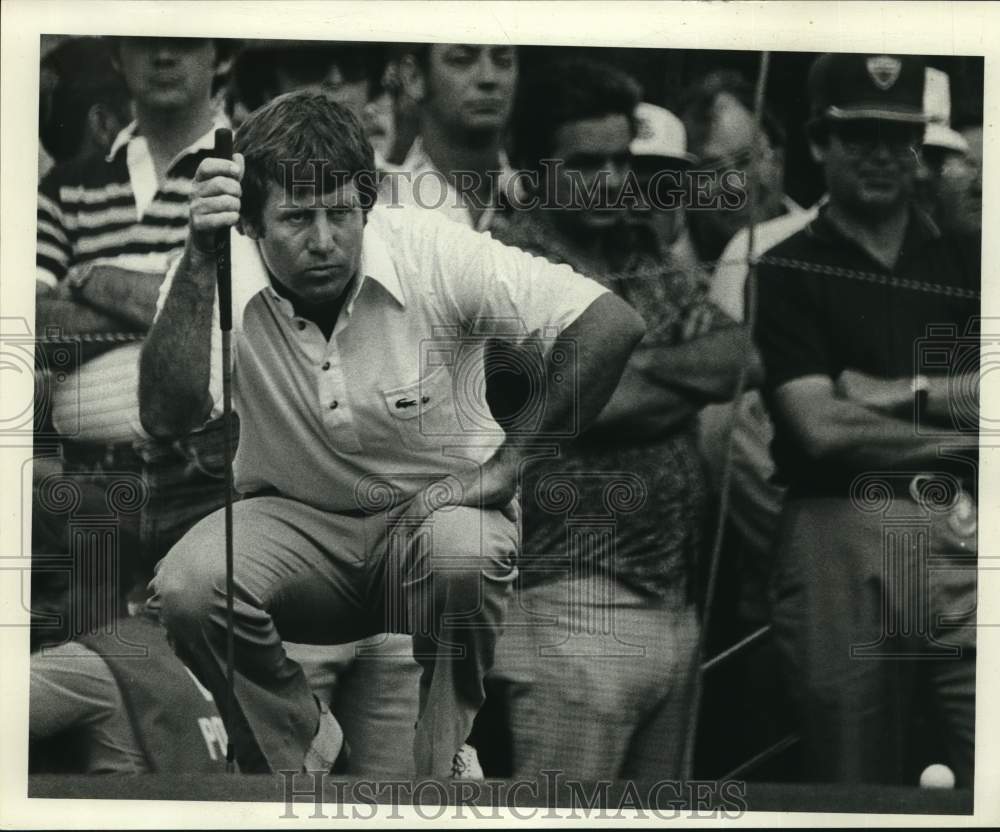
point(880, 460)
point(341, 312)
point(109, 225)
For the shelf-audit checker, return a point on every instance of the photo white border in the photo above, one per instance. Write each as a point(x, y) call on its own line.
point(911, 27)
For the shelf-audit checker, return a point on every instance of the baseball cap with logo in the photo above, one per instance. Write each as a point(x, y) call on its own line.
point(846, 86)
point(659, 134)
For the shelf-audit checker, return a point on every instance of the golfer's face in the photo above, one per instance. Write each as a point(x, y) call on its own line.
point(312, 242)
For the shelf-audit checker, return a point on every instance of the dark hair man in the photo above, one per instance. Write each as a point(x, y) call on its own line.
point(108, 225)
point(718, 114)
point(613, 525)
point(85, 103)
point(348, 71)
point(351, 72)
point(351, 324)
point(863, 437)
point(464, 93)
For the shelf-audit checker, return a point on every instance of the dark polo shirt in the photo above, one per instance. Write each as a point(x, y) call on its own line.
point(814, 318)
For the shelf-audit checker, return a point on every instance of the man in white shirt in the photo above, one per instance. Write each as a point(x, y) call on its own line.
point(385, 491)
point(465, 93)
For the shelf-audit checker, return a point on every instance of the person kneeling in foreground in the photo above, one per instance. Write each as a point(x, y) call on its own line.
point(378, 494)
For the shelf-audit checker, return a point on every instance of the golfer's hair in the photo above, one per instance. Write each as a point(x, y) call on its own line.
point(303, 138)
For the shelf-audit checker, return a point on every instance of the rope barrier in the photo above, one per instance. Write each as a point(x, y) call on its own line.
point(823, 269)
point(707, 267)
point(92, 338)
point(870, 277)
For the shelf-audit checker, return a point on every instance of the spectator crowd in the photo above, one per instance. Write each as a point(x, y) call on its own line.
point(784, 453)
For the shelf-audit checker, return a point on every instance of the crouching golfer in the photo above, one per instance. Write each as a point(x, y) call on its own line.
point(379, 495)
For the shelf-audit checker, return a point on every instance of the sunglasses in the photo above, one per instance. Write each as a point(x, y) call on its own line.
point(864, 137)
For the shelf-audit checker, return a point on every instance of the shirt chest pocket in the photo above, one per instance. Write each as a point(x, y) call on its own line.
point(423, 412)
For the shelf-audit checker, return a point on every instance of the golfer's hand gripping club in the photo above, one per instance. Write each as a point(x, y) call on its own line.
point(224, 150)
point(215, 196)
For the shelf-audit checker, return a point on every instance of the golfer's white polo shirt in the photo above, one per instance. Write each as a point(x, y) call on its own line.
point(397, 394)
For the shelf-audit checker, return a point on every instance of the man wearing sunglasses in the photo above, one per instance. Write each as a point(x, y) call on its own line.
point(874, 589)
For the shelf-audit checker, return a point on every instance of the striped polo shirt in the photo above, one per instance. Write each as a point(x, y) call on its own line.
point(112, 211)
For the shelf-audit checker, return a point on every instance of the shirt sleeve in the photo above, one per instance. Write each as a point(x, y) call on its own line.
point(54, 249)
point(790, 329)
point(70, 686)
point(500, 290)
point(728, 283)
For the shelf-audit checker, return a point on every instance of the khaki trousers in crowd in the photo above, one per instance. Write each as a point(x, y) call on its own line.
point(598, 680)
point(872, 600)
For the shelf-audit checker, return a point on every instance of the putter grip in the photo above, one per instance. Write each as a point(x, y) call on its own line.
point(223, 270)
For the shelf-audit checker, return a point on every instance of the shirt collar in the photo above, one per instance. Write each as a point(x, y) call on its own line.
point(122, 139)
point(790, 205)
point(920, 225)
point(417, 160)
point(416, 157)
point(203, 142)
point(377, 264)
point(920, 231)
point(250, 275)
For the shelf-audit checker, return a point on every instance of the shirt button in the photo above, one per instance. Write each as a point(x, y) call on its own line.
point(326, 365)
point(301, 325)
point(333, 404)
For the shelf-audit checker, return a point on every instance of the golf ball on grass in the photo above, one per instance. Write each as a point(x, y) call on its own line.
point(937, 776)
